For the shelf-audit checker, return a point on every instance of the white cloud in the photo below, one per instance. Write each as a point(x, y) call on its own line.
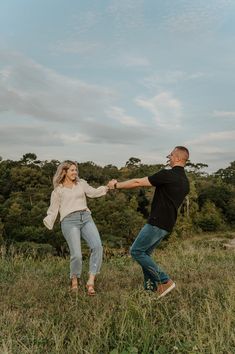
point(26, 135)
point(224, 114)
point(213, 148)
point(28, 88)
point(119, 115)
point(126, 13)
point(213, 137)
point(76, 46)
point(134, 61)
point(84, 21)
point(102, 132)
point(171, 77)
point(197, 17)
point(74, 138)
point(166, 109)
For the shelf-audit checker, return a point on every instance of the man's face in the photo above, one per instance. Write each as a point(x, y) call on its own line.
point(172, 158)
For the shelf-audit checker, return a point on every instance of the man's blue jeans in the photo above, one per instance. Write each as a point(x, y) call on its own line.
point(147, 240)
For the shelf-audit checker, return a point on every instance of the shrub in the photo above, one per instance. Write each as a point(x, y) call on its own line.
point(32, 249)
point(209, 218)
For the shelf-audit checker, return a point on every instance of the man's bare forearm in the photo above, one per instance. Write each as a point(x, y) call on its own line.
point(133, 183)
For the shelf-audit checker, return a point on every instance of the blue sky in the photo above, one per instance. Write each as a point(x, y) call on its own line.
point(104, 81)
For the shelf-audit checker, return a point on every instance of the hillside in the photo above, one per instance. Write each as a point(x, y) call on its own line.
point(39, 314)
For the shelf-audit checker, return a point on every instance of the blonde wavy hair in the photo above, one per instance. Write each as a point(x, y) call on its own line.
point(61, 172)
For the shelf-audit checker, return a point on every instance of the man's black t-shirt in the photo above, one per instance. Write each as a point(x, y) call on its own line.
point(171, 188)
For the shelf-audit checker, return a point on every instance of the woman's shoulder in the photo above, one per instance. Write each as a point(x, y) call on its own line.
point(82, 181)
point(58, 189)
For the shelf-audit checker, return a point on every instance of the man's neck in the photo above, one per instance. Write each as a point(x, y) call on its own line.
point(178, 165)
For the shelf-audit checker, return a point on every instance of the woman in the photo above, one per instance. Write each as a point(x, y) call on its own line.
point(69, 199)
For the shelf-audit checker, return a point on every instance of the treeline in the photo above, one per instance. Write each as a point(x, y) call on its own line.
point(26, 185)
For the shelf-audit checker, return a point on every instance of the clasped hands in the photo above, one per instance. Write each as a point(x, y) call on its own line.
point(111, 184)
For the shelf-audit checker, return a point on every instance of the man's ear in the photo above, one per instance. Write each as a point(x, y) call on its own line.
point(178, 158)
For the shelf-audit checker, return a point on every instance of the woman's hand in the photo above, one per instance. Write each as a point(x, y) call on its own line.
point(111, 184)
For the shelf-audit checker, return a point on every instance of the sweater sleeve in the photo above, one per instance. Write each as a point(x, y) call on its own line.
point(93, 192)
point(52, 211)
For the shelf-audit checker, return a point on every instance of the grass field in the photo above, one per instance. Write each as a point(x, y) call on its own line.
point(39, 315)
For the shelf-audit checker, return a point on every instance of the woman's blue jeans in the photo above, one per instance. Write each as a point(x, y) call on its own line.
point(74, 226)
point(147, 240)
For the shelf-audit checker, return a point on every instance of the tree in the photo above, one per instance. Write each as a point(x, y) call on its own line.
point(26, 186)
point(91, 172)
point(227, 174)
point(28, 158)
point(196, 168)
point(187, 212)
point(25, 177)
point(116, 218)
point(111, 172)
point(1, 232)
point(133, 162)
point(5, 177)
point(222, 195)
point(143, 203)
point(49, 168)
point(209, 218)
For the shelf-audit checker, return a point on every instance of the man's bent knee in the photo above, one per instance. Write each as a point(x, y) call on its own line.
point(135, 253)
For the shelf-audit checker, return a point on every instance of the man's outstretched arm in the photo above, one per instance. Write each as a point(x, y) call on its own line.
point(133, 183)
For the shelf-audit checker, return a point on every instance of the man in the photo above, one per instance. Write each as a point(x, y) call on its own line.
point(171, 188)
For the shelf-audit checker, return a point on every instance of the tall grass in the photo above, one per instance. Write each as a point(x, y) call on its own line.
point(39, 315)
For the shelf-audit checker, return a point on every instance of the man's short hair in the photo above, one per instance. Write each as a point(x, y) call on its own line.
point(184, 150)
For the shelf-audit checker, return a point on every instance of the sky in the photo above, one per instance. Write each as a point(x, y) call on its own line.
point(106, 80)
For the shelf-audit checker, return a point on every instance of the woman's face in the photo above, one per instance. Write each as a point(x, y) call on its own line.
point(72, 173)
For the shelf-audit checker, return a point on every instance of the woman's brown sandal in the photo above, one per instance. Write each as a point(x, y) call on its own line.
point(74, 284)
point(90, 289)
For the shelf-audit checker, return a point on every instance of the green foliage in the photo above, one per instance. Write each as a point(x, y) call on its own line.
point(227, 174)
point(222, 195)
point(5, 177)
point(1, 232)
point(143, 203)
point(26, 186)
point(121, 223)
point(187, 213)
point(133, 162)
point(31, 233)
point(31, 249)
point(92, 173)
point(209, 218)
point(27, 177)
point(196, 169)
point(29, 158)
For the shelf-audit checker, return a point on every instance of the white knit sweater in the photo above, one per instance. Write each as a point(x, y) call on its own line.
point(67, 200)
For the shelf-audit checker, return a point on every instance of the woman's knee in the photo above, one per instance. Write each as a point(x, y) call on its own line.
point(76, 257)
point(98, 248)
